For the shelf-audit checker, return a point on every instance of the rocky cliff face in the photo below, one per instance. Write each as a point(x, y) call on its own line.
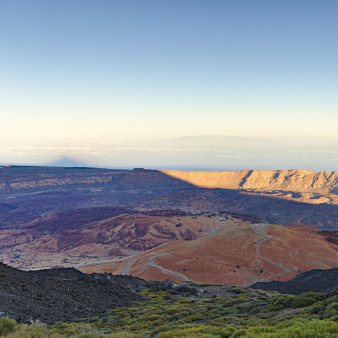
point(33, 179)
point(286, 180)
point(30, 179)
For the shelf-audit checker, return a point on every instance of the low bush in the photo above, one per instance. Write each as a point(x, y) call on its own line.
point(296, 328)
point(200, 331)
point(243, 316)
point(303, 301)
point(6, 326)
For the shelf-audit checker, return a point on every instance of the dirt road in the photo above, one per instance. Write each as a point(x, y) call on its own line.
point(259, 228)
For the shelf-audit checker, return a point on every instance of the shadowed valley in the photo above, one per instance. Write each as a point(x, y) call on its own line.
point(154, 224)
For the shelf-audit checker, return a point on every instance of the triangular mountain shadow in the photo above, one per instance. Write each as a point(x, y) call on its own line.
point(68, 162)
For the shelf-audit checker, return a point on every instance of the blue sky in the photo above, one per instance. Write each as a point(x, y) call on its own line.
point(161, 69)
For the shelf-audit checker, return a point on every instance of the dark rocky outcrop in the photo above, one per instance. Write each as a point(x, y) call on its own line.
point(62, 295)
point(323, 281)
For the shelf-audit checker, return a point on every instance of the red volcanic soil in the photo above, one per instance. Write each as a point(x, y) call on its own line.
point(99, 234)
point(235, 256)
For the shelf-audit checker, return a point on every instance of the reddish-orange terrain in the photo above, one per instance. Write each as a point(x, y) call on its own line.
point(238, 255)
point(65, 239)
point(222, 227)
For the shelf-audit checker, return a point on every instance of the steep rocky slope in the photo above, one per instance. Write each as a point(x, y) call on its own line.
point(290, 180)
point(311, 187)
point(300, 185)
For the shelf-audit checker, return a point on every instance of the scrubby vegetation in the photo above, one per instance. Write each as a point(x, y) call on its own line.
point(6, 326)
point(245, 313)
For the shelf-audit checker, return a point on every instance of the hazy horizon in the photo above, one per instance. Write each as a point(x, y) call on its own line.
point(205, 152)
point(113, 83)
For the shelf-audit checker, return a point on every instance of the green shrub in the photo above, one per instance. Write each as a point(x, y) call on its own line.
point(181, 317)
point(194, 317)
point(296, 328)
point(330, 311)
point(315, 295)
point(238, 333)
point(200, 331)
point(302, 301)
point(6, 326)
point(284, 300)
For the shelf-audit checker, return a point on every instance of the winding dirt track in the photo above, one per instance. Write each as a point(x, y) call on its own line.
point(258, 228)
point(126, 271)
point(151, 263)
